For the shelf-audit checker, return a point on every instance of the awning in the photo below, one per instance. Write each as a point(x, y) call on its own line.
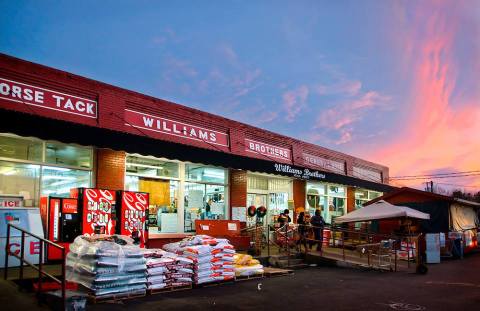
point(381, 210)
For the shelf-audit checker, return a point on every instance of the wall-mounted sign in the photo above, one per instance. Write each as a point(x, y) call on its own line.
point(303, 173)
point(176, 128)
point(368, 174)
point(269, 151)
point(11, 201)
point(323, 163)
point(22, 93)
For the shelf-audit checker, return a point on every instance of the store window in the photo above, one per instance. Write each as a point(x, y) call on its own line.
point(158, 178)
point(57, 181)
point(20, 180)
point(200, 173)
point(68, 155)
point(31, 168)
point(362, 196)
point(21, 148)
point(143, 166)
point(205, 191)
point(329, 199)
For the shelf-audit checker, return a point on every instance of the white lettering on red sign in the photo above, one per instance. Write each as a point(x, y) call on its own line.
point(175, 128)
point(40, 97)
point(267, 150)
point(323, 163)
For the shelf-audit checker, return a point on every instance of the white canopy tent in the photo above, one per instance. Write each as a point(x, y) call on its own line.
point(381, 210)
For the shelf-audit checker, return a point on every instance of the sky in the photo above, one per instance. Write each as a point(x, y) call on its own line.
point(393, 82)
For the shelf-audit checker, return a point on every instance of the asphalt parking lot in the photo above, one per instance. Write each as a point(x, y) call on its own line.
point(452, 285)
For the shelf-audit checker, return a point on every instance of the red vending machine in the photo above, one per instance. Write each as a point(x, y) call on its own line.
point(62, 224)
point(97, 210)
point(132, 208)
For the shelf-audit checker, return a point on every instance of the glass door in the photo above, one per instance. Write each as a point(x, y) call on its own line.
point(277, 203)
point(257, 200)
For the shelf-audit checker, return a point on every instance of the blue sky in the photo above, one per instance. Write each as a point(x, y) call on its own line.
point(342, 74)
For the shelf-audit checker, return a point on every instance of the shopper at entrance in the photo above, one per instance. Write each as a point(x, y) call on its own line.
point(318, 223)
point(302, 231)
point(284, 218)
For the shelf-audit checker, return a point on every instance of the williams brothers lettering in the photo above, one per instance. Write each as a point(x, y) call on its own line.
point(165, 126)
point(299, 173)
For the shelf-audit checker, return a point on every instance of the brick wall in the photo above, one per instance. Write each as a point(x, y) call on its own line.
point(299, 195)
point(110, 169)
point(112, 102)
point(238, 188)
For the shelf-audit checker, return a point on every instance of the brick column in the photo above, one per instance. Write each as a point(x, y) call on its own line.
point(110, 169)
point(238, 188)
point(350, 199)
point(299, 195)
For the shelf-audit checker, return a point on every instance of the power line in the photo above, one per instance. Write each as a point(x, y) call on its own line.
point(462, 186)
point(436, 177)
point(438, 174)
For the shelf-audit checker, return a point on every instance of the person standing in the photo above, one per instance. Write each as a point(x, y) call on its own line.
point(302, 231)
point(284, 218)
point(318, 223)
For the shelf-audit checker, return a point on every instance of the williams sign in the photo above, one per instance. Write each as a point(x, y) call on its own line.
point(303, 173)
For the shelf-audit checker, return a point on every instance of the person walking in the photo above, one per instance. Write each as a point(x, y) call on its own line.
point(302, 231)
point(318, 223)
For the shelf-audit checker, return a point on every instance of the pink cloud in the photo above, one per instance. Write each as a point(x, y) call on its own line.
point(294, 101)
point(441, 128)
point(348, 112)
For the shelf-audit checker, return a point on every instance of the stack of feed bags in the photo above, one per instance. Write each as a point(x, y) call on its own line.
point(212, 257)
point(165, 269)
point(245, 265)
point(107, 265)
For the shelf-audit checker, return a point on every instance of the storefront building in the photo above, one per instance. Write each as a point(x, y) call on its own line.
point(60, 131)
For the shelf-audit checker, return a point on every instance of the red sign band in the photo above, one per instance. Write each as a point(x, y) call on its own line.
point(175, 128)
point(267, 150)
point(40, 97)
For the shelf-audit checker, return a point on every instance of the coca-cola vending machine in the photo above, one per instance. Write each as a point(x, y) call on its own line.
point(62, 224)
point(97, 210)
point(132, 208)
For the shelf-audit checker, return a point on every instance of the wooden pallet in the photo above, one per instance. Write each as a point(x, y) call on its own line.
point(169, 289)
point(273, 272)
point(116, 297)
point(249, 277)
point(216, 283)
